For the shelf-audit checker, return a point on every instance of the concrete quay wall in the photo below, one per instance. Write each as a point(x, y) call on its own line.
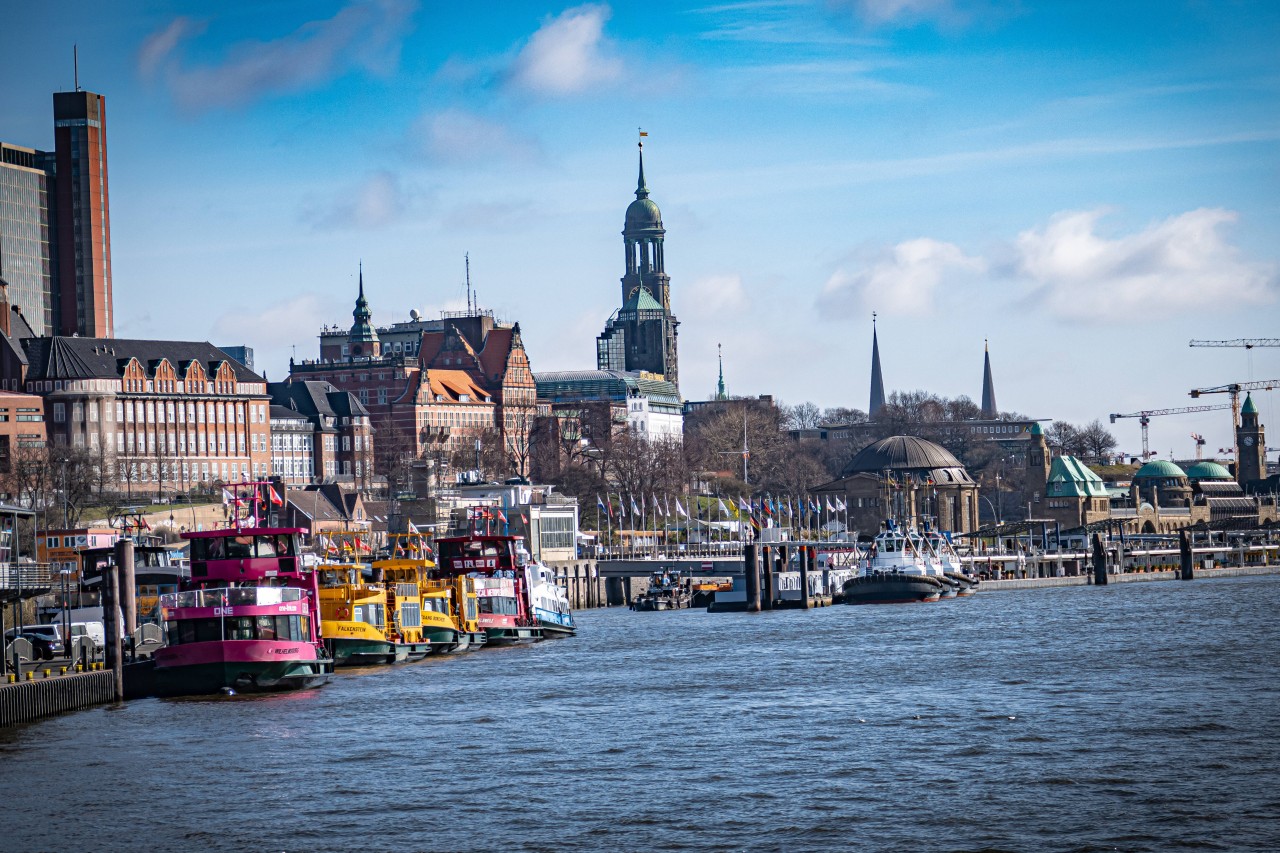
point(43, 697)
point(1131, 577)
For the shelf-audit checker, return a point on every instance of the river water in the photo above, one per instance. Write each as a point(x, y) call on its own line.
point(1133, 717)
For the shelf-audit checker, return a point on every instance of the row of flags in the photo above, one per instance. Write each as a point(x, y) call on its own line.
point(343, 544)
point(767, 506)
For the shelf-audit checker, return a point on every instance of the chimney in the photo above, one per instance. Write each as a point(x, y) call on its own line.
point(4, 306)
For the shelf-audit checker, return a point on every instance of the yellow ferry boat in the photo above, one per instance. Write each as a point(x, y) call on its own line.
point(366, 622)
point(447, 608)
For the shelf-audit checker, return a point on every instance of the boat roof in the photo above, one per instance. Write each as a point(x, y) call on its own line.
point(228, 532)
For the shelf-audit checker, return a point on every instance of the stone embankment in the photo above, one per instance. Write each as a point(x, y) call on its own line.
point(1129, 577)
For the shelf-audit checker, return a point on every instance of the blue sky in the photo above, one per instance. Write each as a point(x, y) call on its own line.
point(1088, 185)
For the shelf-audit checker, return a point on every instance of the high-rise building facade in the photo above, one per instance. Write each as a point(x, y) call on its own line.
point(26, 222)
point(55, 223)
point(82, 299)
point(641, 335)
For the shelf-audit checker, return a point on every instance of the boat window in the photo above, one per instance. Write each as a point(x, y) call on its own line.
point(284, 545)
point(240, 628)
point(471, 610)
point(410, 615)
point(266, 546)
point(371, 614)
point(498, 605)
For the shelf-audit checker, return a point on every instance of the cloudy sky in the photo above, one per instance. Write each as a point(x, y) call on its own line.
point(1087, 184)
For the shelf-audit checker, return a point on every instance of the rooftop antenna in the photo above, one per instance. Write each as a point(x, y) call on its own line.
point(75, 64)
point(467, 256)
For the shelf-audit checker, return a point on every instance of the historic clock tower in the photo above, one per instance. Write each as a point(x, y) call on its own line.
point(1251, 450)
point(642, 334)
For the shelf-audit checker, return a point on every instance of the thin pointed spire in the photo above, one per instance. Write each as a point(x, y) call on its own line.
point(990, 410)
point(361, 278)
point(877, 378)
point(720, 393)
point(642, 189)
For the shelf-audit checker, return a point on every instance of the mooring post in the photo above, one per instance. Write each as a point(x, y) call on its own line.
point(751, 571)
point(806, 555)
point(112, 619)
point(1099, 562)
point(766, 587)
point(1184, 546)
point(128, 585)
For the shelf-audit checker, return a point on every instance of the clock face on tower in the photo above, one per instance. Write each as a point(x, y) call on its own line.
point(1248, 441)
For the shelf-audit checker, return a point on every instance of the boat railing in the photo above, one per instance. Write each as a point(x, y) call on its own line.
point(232, 596)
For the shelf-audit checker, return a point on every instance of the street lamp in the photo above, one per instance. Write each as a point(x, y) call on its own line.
point(994, 511)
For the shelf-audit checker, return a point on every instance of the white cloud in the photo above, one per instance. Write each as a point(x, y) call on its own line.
point(457, 136)
point(274, 329)
point(1182, 263)
point(568, 54)
point(377, 201)
point(365, 34)
point(715, 295)
point(902, 281)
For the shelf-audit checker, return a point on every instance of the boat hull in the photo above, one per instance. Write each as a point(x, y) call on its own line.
point(250, 666)
point(512, 636)
point(361, 652)
point(891, 588)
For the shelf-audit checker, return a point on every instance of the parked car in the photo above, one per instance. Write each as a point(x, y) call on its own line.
point(46, 640)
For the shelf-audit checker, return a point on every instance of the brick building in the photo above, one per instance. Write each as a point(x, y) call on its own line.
point(320, 434)
point(21, 425)
point(433, 386)
point(164, 415)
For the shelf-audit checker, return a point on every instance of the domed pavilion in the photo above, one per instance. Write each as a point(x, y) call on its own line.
point(910, 480)
point(1162, 483)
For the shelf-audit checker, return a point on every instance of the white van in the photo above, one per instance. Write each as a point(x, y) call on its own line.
point(50, 636)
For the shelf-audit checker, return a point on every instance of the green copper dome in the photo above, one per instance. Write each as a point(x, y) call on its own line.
point(1208, 471)
point(1159, 469)
point(643, 213)
point(1247, 409)
point(1036, 429)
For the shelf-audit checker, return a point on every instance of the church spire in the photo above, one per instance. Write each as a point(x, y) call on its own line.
point(363, 338)
point(989, 409)
point(642, 189)
point(720, 394)
point(877, 378)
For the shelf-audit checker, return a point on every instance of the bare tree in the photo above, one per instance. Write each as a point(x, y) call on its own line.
point(1096, 441)
point(801, 416)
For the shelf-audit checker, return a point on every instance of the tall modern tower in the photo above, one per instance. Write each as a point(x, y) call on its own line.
point(82, 302)
point(27, 239)
point(641, 335)
point(877, 378)
point(989, 409)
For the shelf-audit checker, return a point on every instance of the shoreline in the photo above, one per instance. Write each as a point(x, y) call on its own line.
point(1131, 577)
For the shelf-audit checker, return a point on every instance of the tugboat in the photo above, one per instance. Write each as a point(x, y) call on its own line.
point(894, 572)
point(248, 619)
point(952, 569)
point(665, 592)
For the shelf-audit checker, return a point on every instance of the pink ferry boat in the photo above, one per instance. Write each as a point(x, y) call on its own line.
point(247, 620)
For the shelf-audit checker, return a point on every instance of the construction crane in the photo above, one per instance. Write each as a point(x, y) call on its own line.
point(1144, 419)
point(1247, 343)
point(1234, 390)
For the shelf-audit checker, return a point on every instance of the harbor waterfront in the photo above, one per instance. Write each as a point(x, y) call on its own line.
point(1139, 716)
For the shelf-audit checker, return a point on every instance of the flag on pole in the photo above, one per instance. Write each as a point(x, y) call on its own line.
point(744, 508)
point(680, 510)
point(275, 498)
point(657, 507)
point(608, 510)
point(830, 508)
point(841, 506)
point(635, 510)
point(499, 516)
point(622, 506)
point(724, 510)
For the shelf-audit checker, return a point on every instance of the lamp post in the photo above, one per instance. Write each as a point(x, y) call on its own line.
point(994, 511)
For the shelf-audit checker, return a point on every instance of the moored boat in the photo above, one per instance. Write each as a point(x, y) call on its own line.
point(519, 601)
point(665, 592)
point(353, 621)
point(894, 571)
point(248, 619)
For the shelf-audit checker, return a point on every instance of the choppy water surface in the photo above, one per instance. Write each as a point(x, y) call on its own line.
point(1135, 717)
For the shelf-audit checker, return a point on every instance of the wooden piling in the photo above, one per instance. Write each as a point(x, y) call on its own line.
point(767, 592)
point(1188, 572)
point(1099, 562)
point(112, 623)
point(128, 586)
point(751, 572)
point(806, 558)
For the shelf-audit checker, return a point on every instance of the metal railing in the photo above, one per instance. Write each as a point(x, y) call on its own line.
point(25, 577)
